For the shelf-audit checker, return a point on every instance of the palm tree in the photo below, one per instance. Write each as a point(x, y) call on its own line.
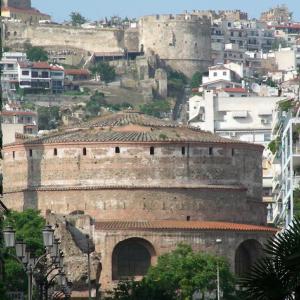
point(277, 276)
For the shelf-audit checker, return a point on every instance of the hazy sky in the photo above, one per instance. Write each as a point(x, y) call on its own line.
point(97, 9)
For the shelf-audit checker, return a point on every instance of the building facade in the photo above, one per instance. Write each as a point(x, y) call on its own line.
point(148, 184)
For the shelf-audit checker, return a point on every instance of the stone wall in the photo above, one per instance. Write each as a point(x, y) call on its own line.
point(182, 41)
point(135, 184)
point(165, 241)
point(92, 40)
point(133, 166)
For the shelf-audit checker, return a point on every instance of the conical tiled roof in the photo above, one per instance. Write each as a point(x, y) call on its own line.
point(131, 127)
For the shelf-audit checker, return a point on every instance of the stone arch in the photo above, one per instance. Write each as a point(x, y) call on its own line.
point(131, 258)
point(246, 254)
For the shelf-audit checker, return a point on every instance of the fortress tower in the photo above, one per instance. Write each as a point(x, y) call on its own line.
point(182, 42)
point(22, 4)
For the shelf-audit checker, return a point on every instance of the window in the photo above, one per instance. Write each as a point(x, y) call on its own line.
point(84, 151)
point(151, 150)
point(34, 74)
point(117, 150)
point(215, 74)
point(224, 73)
point(30, 152)
point(183, 150)
point(45, 74)
point(14, 154)
point(55, 152)
point(232, 152)
point(188, 218)
point(210, 151)
point(25, 73)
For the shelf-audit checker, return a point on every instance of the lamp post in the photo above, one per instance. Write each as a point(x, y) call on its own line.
point(89, 265)
point(23, 256)
point(218, 241)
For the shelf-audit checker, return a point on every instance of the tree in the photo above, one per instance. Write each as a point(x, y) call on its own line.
point(48, 117)
point(178, 275)
point(106, 72)
point(28, 225)
point(36, 54)
point(277, 276)
point(77, 19)
point(196, 80)
point(95, 103)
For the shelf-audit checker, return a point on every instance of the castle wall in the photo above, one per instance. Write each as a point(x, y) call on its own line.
point(93, 40)
point(24, 4)
point(182, 41)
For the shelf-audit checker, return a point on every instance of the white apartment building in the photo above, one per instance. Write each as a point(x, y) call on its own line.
point(246, 118)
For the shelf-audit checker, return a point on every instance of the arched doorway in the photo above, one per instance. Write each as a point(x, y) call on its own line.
point(246, 255)
point(131, 258)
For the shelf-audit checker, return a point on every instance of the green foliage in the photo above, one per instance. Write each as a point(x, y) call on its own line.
point(28, 225)
point(29, 105)
point(77, 19)
point(196, 80)
point(132, 290)
point(178, 275)
point(106, 72)
point(279, 42)
point(176, 83)
point(297, 202)
point(36, 54)
point(274, 145)
point(162, 136)
point(48, 117)
point(277, 276)
point(285, 105)
point(95, 103)
point(156, 108)
point(185, 272)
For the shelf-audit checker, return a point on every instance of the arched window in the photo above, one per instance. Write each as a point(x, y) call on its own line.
point(246, 255)
point(55, 152)
point(14, 154)
point(183, 150)
point(84, 151)
point(117, 150)
point(131, 258)
point(211, 150)
point(151, 150)
point(30, 152)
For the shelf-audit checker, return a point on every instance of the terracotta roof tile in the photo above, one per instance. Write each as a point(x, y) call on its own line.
point(77, 72)
point(235, 90)
point(110, 129)
point(180, 225)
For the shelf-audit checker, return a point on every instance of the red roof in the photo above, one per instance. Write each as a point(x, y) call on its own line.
point(77, 72)
point(34, 65)
point(287, 26)
point(235, 90)
point(180, 225)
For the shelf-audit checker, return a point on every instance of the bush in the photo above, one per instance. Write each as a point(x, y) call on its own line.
point(156, 108)
point(106, 72)
point(36, 54)
point(196, 80)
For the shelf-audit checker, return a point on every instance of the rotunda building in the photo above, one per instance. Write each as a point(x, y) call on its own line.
point(149, 184)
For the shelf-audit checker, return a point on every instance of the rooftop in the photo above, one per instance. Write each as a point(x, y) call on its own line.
point(180, 225)
point(77, 72)
point(132, 127)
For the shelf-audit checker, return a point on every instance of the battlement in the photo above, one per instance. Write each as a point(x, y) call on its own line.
point(187, 17)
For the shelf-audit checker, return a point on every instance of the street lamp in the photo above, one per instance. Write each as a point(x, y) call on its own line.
point(9, 237)
point(48, 236)
point(23, 256)
point(218, 241)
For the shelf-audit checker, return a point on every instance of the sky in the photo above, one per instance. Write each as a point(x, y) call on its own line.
point(97, 9)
